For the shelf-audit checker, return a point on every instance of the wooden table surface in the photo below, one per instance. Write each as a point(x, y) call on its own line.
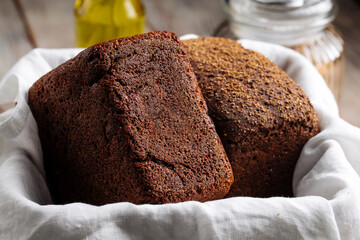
point(26, 24)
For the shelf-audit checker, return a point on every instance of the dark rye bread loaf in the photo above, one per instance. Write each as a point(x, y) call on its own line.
point(125, 120)
point(261, 115)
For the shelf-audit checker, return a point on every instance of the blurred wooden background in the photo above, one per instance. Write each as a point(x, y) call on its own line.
point(26, 24)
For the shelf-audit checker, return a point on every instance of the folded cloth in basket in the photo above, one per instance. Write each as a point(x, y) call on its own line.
point(326, 181)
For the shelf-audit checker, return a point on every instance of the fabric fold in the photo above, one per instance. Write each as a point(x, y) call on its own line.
point(326, 179)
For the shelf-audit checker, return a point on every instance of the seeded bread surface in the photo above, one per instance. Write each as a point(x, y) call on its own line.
point(125, 121)
point(261, 115)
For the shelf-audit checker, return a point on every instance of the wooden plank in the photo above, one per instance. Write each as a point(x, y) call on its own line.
point(13, 38)
point(51, 21)
point(200, 17)
point(348, 23)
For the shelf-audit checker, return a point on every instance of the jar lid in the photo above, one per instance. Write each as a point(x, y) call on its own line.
point(282, 15)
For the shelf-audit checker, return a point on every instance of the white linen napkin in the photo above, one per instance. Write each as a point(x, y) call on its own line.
point(326, 180)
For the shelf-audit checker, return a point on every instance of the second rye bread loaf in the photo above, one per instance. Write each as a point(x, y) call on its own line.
point(125, 121)
point(261, 115)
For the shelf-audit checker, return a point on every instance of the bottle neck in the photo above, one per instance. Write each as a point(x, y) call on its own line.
point(282, 22)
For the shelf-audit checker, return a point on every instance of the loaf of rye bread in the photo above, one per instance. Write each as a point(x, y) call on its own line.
point(125, 120)
point(261, 115)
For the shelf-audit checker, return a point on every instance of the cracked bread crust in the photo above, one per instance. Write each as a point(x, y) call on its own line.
point(261, 115)
point(125, 120)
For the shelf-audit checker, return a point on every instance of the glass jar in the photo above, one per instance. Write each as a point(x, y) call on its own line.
point(102, 20)
point(303, 25)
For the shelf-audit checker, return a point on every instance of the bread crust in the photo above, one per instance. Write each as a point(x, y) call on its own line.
point(125, 120)
point(261, 115)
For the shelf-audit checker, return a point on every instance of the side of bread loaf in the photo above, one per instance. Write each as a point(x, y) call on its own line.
point(261, 115)
point(125, 121)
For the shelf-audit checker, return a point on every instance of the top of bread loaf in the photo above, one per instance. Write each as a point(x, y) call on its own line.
point(125, 121)
point(245, 85)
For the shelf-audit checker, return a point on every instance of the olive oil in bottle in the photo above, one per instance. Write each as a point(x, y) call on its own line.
point(102, 20)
